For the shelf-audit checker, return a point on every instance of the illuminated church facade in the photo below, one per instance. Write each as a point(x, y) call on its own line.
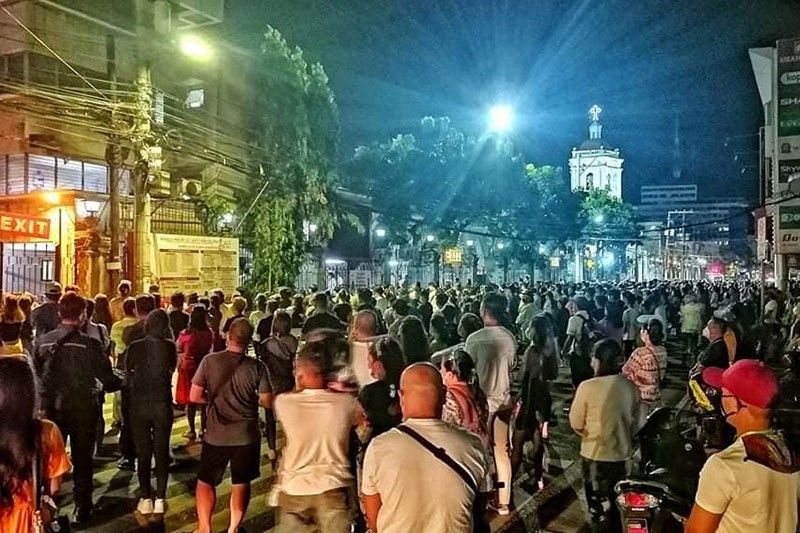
point(594, 164)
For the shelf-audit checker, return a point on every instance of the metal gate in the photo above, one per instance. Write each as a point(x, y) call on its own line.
point(28, 267)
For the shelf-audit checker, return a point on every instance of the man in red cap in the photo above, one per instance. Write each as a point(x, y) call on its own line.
point(752, 484)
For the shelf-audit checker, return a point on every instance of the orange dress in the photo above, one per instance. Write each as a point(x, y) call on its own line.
point(19, 519)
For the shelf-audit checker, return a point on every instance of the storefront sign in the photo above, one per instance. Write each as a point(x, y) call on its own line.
point(452, 256)
point(788, 168)
point(788, 87)
point(20, 227)
point(788, 239)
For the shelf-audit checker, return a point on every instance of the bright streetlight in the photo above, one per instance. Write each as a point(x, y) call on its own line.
point(429, 238)
point(380, 233)
point(227, 219)
point(598, 219)
point(500, 245)
point(501, 118)
point(470, 242)
point(195, 47)
point(312, 228)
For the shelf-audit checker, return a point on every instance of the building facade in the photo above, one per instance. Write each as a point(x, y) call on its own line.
point(61, 117)
point(777, 74)
point(594, 164)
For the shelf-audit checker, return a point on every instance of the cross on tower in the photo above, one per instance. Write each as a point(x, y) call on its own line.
point(595, 112)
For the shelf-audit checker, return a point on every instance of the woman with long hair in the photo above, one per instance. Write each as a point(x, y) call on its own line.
point(11, 322)
point(379, 400)
point(24, 441)
point(534, 402)
point(149, 364)
point(194, 343)
point(647, 366)
point(277, 352)
point(413, 340)
point(102, 311)
point(465, 403)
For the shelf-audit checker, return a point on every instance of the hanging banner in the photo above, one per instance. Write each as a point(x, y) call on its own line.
point(195, 263)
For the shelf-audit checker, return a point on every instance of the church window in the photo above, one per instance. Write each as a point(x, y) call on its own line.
point(589, 180)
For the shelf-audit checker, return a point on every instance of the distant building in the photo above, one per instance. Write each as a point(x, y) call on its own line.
point(658, 194)
point(594, 164)
point(683, 235)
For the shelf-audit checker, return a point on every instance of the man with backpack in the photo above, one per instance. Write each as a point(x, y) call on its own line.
point(69, 363)
point(581, 335)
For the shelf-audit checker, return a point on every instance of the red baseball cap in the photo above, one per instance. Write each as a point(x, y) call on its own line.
point(749, 380)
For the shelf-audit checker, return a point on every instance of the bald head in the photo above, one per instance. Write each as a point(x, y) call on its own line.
point(421, 391)
point(365, 325)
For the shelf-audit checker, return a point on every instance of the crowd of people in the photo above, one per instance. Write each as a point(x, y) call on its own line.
point(402, 409)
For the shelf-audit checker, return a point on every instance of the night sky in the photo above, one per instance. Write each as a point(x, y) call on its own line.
point(648, 64)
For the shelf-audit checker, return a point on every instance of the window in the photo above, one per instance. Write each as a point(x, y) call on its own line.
point(47, 269)
point(70, 174)
point(195, 98)
point(95, 178)
point(589, 180)
point(16, 174)
point(41, 172)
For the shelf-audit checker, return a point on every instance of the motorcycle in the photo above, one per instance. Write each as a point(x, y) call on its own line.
point(660, 496)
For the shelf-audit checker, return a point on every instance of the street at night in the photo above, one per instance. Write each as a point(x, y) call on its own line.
point(347, 266)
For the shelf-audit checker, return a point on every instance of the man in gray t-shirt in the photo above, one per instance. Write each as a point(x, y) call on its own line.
point(234, 386)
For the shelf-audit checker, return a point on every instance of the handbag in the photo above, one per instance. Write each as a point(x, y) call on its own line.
point(45, 517)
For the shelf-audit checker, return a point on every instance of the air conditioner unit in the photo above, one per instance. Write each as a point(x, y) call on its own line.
point(191, 187)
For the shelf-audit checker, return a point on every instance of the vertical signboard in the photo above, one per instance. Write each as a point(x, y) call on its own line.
point(787, 240)
point(788, 86)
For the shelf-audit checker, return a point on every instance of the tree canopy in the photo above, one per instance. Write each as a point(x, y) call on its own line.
point(299, 131)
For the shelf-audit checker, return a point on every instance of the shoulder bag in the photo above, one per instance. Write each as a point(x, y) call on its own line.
point(45, 518)
point(478, 521)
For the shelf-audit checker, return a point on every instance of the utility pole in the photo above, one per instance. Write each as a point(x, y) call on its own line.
point(113, 159)
point(142, 140)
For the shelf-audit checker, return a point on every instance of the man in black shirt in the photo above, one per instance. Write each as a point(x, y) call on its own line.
point(69, 364)
point(178, 318)
point(716, 353)
point(144, 304)
point(322, 318)
point(44, 318)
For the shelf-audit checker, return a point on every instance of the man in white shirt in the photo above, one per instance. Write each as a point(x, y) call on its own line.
point(493, 349)
point(752, 485)
point(314, 474)
point(408, 488)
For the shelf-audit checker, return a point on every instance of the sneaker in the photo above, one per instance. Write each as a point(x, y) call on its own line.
point(126, 464)
point(501, 510)
point(159, 506)
point(145, 506)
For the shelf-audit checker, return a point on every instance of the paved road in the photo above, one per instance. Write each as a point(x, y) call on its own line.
point(558, 507)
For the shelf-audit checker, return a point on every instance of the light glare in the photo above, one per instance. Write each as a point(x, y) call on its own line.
point(501, 118)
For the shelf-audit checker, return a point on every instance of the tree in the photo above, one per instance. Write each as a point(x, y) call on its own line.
point(299, 127)
point(602, 215)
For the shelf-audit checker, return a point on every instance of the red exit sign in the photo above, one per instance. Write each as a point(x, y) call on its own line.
point(18, 225)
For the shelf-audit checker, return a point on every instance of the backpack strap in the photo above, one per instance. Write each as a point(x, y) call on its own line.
point(441, 454)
